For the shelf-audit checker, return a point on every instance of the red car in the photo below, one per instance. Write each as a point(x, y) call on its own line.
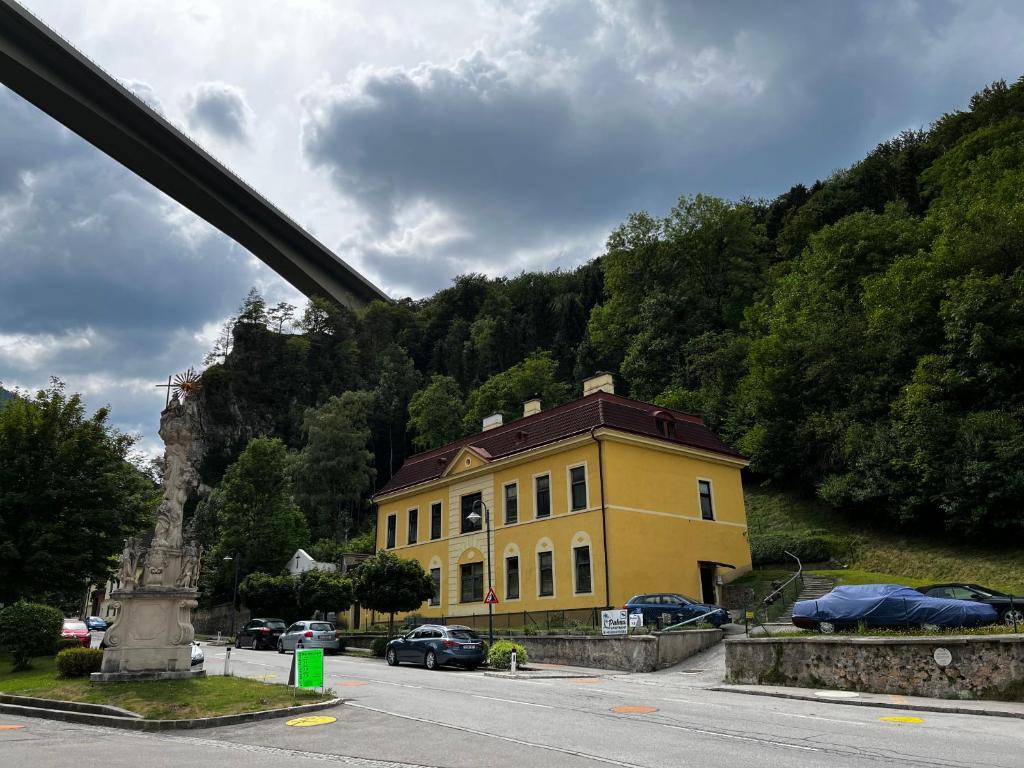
point(76, 629)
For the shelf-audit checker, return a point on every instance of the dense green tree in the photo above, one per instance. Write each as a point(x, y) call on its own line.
point(270, 596)
point(436, 413)
point(259, 521)
point(506, 392)
point(389, 584)
point(68, 497)
point(396, 384)
point(322, 591)
point(334, 469)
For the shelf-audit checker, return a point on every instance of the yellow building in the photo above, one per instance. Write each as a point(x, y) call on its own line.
point(590, 503)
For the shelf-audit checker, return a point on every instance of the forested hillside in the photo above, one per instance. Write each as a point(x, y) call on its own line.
point(860, 339)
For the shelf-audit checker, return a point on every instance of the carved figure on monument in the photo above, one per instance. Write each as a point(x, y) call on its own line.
point(130, 558)
point(191, 562)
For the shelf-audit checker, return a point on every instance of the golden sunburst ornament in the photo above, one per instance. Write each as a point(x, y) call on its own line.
point(186, 384)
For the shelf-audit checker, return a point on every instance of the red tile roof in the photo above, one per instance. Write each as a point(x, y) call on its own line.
point(600, 409)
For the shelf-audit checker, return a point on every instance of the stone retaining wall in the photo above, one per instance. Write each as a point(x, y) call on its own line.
point(977, 666)
point(638, 653)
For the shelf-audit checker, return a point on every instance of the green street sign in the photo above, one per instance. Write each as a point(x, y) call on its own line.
point(309, 668)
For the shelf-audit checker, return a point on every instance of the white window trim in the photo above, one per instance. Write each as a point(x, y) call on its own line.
point(568, 486)
point(387, 526)
point(504, 561)
point(551, 510)
point(504, 502)
point(418, 527)
point(540, 548)
point(430, 523)
point(572, 559)
point(711, 490)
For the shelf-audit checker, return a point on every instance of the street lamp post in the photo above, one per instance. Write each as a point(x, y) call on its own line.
point(234, 592)
point(475, 517)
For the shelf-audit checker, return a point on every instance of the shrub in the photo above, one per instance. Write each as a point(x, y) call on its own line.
point(530, 631)
point(67, 642)
point(29, 629)
point(500, 654)
point(378, 645)
point(79, 662)
point(772, 548)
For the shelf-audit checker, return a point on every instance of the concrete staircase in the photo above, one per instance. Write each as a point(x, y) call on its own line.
point(814, 587)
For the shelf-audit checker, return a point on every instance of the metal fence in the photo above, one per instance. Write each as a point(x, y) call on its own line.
point(571, 620)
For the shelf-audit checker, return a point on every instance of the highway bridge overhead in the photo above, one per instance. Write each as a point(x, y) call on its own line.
point(47, 71)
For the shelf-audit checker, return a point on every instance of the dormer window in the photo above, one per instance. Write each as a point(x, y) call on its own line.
point(665, 423)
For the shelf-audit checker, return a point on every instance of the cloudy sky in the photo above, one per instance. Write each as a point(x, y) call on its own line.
point(423, 140)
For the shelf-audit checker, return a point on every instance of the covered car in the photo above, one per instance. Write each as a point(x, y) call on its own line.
point(888, 605)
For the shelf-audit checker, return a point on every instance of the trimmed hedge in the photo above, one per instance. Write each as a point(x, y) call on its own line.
point(378, 645)
point(79, 662)
point(68, 642)
point(771, 548)
point(29, 629)
point(500, 655)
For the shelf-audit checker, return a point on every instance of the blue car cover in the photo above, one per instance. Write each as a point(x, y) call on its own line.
point(890, 605)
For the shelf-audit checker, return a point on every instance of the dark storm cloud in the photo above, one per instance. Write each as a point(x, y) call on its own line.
point(604, 109)
point(220, 109)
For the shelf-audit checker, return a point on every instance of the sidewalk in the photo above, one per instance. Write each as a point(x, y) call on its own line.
point(540, 671)
point(887, 700)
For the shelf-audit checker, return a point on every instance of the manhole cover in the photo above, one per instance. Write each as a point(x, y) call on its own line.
point(837, 694)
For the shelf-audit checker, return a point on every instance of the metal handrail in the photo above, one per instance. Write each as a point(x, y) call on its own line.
point(690, 621)
point(798, 575)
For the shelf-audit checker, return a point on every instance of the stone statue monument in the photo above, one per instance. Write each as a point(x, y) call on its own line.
point(151, 635)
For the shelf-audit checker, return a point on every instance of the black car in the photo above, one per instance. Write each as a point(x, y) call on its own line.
point(676, 607)
point(435, 645)
point(1009, 608)
point(260, 633)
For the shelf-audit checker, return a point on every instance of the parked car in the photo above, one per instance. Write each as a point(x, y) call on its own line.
point(435, 645)
point(1009, 608)
point(198, 657)
point(887, 605)
point(260, 633)
point(95, 623)
point(309, 634)
point(76, 629)
point(678, 607)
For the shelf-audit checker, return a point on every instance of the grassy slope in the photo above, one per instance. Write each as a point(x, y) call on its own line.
point(168, 700)
point(880, 556)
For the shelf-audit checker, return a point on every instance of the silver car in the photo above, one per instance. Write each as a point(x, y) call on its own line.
point(309, 634)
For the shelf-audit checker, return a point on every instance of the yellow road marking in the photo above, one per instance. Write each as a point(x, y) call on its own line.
point(901, 719)
point(351, 683)
point(630, 708)
point(11, 727)
point(305, 722)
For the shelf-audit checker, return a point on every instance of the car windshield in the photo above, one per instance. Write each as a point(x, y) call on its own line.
point(461, 634)
point(276, 624)
point(321, 626)
point(76, 625)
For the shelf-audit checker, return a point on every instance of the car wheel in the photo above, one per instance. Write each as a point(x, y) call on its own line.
point(430, 660)
point(1013, 615)
point(255, 644)
point(332, 651)
point(280, 647)
point(391, 657)
point(826, 627)
point(238, 642)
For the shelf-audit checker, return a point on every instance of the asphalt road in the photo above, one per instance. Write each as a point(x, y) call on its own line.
point(409, 716)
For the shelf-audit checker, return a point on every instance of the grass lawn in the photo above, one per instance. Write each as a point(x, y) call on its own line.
point(875, 555)
point(166, 700)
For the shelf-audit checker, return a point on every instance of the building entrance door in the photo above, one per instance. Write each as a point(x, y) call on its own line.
point(707, 584)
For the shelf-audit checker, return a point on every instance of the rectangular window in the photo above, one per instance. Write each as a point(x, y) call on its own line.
point(511, 578)
point(414, 524)
point(392, 526)
point(511, 503)
point(543, 484)
point(435, 520)
point(707, 512)
point(545, 574)
point(472, 582)
point(472, 503)
point(581, 556)
point(435, 580)
point(578, 484)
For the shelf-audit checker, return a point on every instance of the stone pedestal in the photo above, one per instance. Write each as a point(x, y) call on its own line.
point(151, 636)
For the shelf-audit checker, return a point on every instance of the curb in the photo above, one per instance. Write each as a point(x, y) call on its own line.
point(138, 724)
point(539, 675)
point(67, 706)
point(950, 710)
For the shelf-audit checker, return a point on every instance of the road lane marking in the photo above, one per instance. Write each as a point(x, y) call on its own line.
point(383, 682)
point(499, 737)
point(512, 701)
point(901, 719)
point(632, 708)
point(816, 717)
point(308, 722)
point(11, 727)
point(351, 683)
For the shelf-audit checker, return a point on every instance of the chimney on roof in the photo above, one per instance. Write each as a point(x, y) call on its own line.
point(531, 406)
point(492, 421)
point(599, 382)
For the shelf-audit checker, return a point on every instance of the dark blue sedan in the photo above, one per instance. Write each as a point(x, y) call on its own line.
point(676, 607)
point(435, 646)
point(95, 624)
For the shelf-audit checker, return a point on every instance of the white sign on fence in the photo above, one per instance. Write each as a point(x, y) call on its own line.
point(636, 620)
point(614, 622)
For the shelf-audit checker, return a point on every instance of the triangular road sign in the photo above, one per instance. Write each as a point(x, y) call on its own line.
point(491, 599)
